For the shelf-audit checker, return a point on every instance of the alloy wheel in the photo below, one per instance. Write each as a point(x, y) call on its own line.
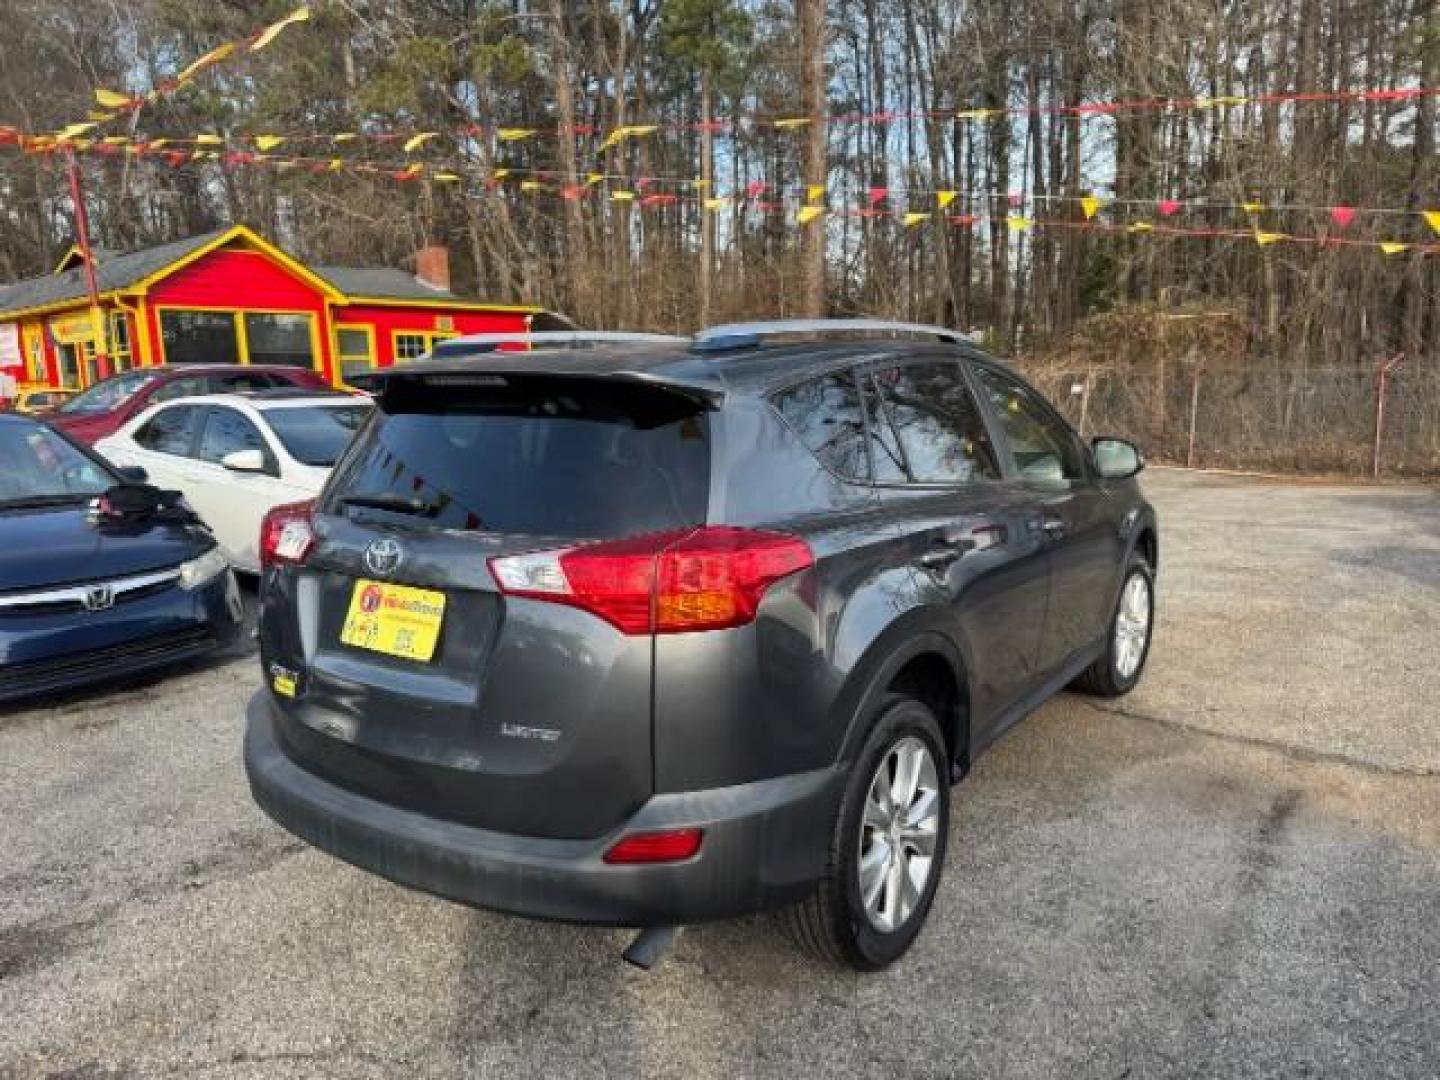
point(897, 834)
point(1132, 626)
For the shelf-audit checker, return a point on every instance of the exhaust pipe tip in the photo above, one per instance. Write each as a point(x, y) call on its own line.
point(650, 946)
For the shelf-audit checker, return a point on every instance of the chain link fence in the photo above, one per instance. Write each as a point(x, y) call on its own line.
point(1384, 421)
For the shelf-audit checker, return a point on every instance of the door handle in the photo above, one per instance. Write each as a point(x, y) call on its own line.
point(945, 550)
point(1053, 527)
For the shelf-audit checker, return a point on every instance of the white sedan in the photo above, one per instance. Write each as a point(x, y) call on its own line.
point(236, 456)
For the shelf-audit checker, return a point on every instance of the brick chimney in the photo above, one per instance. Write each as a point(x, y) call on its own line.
point(432, 267)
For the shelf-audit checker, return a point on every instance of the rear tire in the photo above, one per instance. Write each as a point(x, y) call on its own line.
point(878, 821)
point(1127, 642)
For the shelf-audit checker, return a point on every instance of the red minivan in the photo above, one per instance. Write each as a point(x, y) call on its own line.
point(102, 409)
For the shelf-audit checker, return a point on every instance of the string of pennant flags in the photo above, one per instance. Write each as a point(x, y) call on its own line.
point(918, 203)
point(802, 204)
point(412, 140)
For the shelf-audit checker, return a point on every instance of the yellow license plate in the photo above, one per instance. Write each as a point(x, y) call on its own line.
point(394, 620)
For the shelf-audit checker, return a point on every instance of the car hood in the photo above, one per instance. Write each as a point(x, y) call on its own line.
point(39, 549)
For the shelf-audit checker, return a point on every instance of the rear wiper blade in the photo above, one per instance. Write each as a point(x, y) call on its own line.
point(395, 504)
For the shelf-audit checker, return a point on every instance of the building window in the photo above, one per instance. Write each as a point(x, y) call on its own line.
point(280, 339)
point(413, 344)
point(120, 356)
point(355, 348)
point(199, 337)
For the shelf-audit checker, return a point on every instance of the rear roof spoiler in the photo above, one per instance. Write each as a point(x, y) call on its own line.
point(574, 339)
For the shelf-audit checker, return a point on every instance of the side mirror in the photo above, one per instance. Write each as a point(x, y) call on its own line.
point(1117, 459)
point(250, 461)
point(133, 474)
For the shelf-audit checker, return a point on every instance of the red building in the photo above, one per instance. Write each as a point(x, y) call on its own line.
point(231, 296)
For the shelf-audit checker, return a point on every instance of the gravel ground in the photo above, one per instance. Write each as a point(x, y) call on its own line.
point(1233, 872)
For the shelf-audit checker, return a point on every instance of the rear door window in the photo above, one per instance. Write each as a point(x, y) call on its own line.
point(567, 458)
point(937, 422)
point(171, 431)
point(826, 413)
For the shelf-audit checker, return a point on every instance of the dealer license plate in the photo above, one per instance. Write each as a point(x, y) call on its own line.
point(394, 620)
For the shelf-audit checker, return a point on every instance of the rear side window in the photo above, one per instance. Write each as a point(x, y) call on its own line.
point(555, 458)
point(826, 414)
point(938, 424)
point(171, 431)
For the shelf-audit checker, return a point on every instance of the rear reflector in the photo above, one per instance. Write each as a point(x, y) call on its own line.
point(673, 582)
point(287, 534)
point(674, 845)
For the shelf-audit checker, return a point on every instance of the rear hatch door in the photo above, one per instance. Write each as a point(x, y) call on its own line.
point(509, 713)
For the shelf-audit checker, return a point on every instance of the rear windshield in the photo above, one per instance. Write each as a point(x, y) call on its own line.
point(317, 434)
point(107, 395)
point(556, 457)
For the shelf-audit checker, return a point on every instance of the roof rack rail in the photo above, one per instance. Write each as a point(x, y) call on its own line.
point(575, 339)
point(749, 334)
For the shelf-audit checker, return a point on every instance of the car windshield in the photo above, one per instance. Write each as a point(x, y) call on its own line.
point(107, 395)
point(42, 468)
point(317, 434)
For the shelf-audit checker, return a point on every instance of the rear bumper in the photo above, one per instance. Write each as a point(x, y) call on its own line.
point(48, 654)
point(765, 844)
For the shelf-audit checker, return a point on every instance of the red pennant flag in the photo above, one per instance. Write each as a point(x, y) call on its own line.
point(574, 191)
point(659, 200)
point(643, 183)
point(1342, 216)
point(965, 220)
point(1169, 207)
point(878, 195)
point(176, 158)
point(756, 188)
point(1016, 200)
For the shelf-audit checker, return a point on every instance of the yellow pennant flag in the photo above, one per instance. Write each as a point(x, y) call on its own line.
point(415, 142)
point(514, 134)
point(344, 136)
point(530, 185)
point(715, 204)
point(112, 100)
point(1219, 102)
point(119, 140)
point(807, 214)
point(814, 192)
point(1432, 218)
point(209, 140)
point(1090, 206)
point(975, 114)
point(944, 198)
point(594, 178)
point(1266, 238)
point(413, 170)
point(74, 131)
point(1252, 207)
point(99, 117)
point(499, 174)
point(1016, 223)
point(1140, 227)
point(271, 32)
point(620, 134)
point(791, 122)
point(915, 217)
point(446, 177)
point(286, 163)
point(1392, 248)
point(336, 164)
point(266, 143)
point(159, 144)
point(214, 56)
point(622, 196)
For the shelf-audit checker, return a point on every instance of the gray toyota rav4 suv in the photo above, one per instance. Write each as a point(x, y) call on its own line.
point(645, 632)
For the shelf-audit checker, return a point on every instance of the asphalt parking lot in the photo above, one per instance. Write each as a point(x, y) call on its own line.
point(1235, 871)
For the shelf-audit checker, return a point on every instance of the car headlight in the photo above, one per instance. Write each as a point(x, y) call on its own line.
point(205, 569)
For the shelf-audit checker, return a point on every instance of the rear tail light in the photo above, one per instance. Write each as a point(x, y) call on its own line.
point(287, 535)
point(673, 582)
point(672, 845)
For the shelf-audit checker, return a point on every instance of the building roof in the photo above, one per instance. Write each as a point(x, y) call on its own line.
point(112, 272)
point(115, 272)
point(381, 282)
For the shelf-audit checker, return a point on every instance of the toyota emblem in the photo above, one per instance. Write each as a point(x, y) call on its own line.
point(383, 556)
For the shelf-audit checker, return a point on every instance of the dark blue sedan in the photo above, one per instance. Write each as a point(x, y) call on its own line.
point(89, 593)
